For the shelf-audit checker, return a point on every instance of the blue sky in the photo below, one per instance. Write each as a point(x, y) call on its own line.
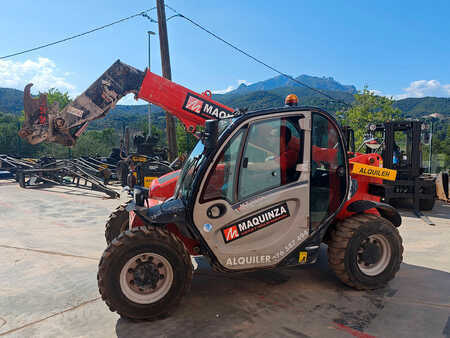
point(398, 48)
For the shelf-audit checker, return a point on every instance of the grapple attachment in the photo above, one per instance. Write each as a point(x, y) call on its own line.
point(43, 123)
point(35, 126)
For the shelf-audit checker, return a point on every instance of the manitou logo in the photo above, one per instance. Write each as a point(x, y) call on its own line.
point(255, 222)
point(231, 233)
point(201, 106)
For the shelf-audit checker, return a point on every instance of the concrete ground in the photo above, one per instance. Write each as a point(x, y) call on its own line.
point(51, 240)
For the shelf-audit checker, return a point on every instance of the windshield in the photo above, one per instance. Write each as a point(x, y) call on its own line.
point(184, 184)
point(223, 124)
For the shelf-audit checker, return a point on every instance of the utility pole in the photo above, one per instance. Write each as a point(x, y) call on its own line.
point(149, 135)
point(431, 147)
point(167, 73)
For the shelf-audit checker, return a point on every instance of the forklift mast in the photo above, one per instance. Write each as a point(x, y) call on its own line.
point(413, 165)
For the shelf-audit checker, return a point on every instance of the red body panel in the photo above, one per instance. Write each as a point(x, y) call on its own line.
point(363, 183)
point(163, 187)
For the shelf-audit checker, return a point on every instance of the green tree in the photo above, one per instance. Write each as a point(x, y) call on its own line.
point(55, 95)
point(96, 143)
point(185, 141)
point(368, 108)
point(53, 149)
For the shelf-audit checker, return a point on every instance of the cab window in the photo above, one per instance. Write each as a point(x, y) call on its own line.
point(272, 151)
point(220, 183)
point(328, 177)
point(258, 158)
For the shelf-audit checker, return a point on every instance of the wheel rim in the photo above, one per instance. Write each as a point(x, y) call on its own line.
point(374, 255)
point(146, 278)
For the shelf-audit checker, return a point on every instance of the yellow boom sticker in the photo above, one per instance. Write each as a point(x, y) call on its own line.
point(139, 158)
point(148, 181)
point(368, 170)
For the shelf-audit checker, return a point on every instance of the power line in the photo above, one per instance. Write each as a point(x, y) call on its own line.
point(254, 58)
point(143, 13)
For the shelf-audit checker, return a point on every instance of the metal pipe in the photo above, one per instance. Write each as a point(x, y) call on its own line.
point(150, 33)
point(431, 147)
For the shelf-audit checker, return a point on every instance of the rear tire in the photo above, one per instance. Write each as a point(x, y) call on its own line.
point(144, 273)
point(365, 251)
point(117, 223)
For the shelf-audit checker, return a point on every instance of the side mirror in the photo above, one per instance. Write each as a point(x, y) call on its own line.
point(209, 137)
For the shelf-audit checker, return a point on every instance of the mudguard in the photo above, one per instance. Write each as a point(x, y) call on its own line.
point(170, 211)
point(386, 211)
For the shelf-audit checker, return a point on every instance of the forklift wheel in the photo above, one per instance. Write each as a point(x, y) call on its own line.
point(116, 224)
point(144, 273)
point(427, 204)
point(365, 251)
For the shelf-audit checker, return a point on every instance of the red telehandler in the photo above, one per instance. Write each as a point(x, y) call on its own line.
point(260, 190)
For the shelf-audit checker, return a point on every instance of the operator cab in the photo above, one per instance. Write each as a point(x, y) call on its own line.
point(274, 178)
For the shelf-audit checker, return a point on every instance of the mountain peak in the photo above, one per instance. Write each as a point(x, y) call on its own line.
point(279, 81)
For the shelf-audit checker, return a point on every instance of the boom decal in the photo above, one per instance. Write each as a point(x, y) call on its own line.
point(197, 105)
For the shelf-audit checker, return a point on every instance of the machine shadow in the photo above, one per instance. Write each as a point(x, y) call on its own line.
point(303, 301)
point(441, 210)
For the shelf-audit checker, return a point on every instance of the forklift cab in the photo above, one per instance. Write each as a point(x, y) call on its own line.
point(274, 178)
point(401, 146)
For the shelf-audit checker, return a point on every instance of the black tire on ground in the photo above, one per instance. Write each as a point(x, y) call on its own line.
point(427, 204)
point(361, 239)
point(116, 223)
point(150, 249)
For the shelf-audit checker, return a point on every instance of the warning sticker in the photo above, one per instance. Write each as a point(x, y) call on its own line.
point(368, 170)
point(302, 257)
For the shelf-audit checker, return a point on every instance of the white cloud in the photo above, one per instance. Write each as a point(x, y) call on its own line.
point(42, 72)
point(423, 88)
point(231, 87)
point(224, 91)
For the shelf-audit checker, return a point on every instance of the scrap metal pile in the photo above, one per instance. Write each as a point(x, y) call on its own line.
point(85, 172)
point(93, 173)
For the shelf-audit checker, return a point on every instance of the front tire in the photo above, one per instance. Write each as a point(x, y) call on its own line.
point(144, 273)
point(365, 251)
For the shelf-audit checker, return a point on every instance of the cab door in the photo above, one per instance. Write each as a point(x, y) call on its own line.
point(253, 203)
